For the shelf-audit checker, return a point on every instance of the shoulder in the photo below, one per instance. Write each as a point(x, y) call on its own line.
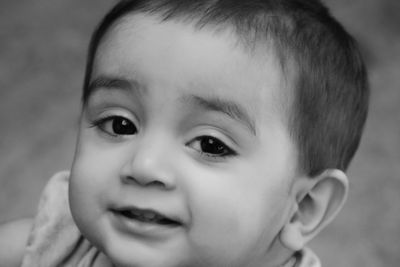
point(13, 239)
point(53, 205)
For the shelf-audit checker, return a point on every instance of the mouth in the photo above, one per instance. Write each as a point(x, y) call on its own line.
point(147, 216)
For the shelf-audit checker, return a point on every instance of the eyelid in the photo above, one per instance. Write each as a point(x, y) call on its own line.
point(110, 112)
point(217, 133)
point(210, 157)
point(228, 147)
point(107, 115)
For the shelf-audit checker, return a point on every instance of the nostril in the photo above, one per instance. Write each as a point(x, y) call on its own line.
point(129, 179)
point(146, 171)
point(156, 184)
point(146, 182)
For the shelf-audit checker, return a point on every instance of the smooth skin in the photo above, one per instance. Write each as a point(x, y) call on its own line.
point(189, 124)
point(166, 82)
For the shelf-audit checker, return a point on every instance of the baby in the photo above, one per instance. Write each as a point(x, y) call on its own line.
point(212, 133)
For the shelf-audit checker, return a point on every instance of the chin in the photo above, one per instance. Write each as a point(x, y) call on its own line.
point(139, 255)
point(141, 261)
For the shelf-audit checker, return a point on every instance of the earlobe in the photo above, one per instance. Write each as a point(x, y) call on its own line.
point(317, 202)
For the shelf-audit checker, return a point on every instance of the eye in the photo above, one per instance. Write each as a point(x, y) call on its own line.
point(211, 147)
point(116, 126)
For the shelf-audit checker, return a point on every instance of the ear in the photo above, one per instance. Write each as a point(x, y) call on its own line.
point(317, 202)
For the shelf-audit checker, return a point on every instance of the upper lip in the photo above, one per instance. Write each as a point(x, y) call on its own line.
point(149, 214)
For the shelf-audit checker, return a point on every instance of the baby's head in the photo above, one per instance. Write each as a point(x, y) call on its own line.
point(215, 133)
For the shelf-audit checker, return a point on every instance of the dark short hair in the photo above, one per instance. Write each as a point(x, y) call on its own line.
point(331, 91)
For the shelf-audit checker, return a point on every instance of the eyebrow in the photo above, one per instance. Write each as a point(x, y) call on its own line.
point(109, 82)
point(230, 108)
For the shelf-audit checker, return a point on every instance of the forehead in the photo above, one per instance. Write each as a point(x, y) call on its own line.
point(175, 56)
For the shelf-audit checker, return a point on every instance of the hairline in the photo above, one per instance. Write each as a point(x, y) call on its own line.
point(249, 42)
point(257, 43)
point(286, 32)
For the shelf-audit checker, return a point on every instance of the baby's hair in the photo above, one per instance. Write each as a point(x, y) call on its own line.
point(330, 95)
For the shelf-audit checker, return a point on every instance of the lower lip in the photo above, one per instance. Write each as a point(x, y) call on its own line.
point(142, 229)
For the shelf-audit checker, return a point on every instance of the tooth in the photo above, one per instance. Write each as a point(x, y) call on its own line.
point(136, 213)
point(149, 215)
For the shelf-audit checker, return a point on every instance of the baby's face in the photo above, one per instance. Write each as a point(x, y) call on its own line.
point(184, 157)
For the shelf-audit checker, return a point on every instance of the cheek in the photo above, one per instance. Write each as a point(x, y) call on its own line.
point(90, 186)
point(96, 162)
point(82, 189)
point(92, 175)
point(247, 208)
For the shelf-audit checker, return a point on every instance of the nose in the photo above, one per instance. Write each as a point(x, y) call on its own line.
point(150, 165)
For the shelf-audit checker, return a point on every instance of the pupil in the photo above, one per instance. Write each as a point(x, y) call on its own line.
point(212, 146)
point(123, 126)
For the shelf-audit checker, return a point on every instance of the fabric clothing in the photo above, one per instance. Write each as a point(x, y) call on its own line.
point(55, 240)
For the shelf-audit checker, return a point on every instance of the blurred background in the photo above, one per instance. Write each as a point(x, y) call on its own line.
point(42, 58)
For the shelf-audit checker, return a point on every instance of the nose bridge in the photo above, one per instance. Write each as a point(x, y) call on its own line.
point(151, 152)
point(149, 163)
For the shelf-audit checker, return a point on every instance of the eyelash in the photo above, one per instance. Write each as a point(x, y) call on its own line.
point(221, 149)
point(216, 143)
point(101, 124)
